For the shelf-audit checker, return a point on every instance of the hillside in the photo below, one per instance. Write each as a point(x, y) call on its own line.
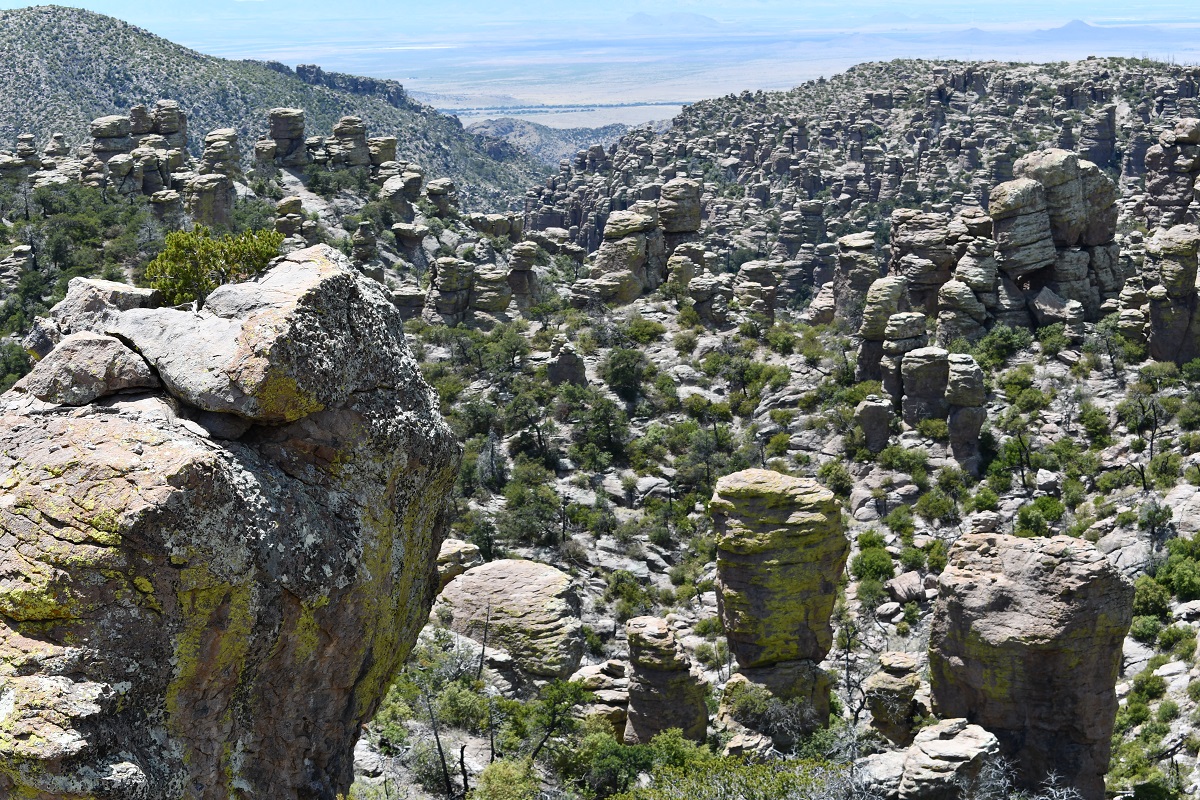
point(63, 67)
point(547, 145)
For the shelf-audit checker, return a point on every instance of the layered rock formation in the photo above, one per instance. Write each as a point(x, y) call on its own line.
point(780, 553)
point(528, 609)
point(1172, 170)
point(209, 586)
point(891, 694)
point(1026, 642)
point(1160, 306)
point(665, 690)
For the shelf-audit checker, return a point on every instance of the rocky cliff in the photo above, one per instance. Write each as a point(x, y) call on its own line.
point(219, 533)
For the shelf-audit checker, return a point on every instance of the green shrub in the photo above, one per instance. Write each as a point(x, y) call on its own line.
point(895, 457)
point(644, 331)
point(1053, 339)
point(625, 372)
point(936, 556)
point(936, 429)
point(508, 780)
point(874, 562)
point(1000, 344)
point(1145, 629)
point(1151, 598)
point(194, 263)
point(912, 558)
point(835, 476)
point(1149, 686)
point(870, 539)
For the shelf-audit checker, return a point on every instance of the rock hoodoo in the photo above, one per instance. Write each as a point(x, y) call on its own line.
point(1026, 642)
point(212, 585)
point(780, 553)
point(665, 691)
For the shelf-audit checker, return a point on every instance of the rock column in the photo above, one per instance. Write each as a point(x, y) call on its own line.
point(665, 691)
point(781, 551)
point(1026, 642)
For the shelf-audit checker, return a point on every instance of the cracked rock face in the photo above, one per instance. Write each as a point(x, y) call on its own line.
point(1026, 642)
point(206, 590)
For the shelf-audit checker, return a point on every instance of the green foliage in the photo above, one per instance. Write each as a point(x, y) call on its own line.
point(624, 371)
point(897, 458)
point(532, 512)
point(1000, 344)
point(644, 331)
point(936, 556)
point(873, 563)
point(14, 364)
point(1145, 629)
point(734, 778)
point(1150, 598)
point(936, 506)
point(1096, 424)
point(835, 476)
point(194, 263)
point(1053, 339)
point(937, 429)
point(505, 779)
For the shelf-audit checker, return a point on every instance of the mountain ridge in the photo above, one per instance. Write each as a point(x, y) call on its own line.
point(64, 67)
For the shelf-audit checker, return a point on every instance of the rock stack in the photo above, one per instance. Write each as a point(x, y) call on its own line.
point(222, 156)
point(449, 298)
point(348, 146)
point(527, 609)
point(679, 211)
point(631, 260)
point(1026, 642)
point(665, 690)
point(780, 554)
point(216, 656)
point(522, 279)
point(891, 696)
point(287, 134)
point(886, 298)
point(1164, 303)
point(1172, 170)
point(857, 269)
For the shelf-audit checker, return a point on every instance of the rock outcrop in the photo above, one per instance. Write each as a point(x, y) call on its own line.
point(1026, 642)
point(528, 609)
point(665, 690)
point(780, 553)
point(946, 760)
point(891, 694)
point(212, 586)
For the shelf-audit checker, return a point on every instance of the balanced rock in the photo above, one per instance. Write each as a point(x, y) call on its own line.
point(890, 695)
point(84, 367)
point(455, 558)
point(528, 609)
point(182, 614)
point(1026, 641)
point(665, 690)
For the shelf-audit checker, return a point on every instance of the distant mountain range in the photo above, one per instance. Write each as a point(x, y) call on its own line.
point(62, 67)
point(546, 144)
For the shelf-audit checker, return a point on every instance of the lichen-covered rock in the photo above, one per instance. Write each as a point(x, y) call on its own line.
point(780, 553)
point(528, 609)
point(857, 269)
point(184, 614)
point(925, 373)
point(1026, 641)
point(679, 206)
point(665, 691)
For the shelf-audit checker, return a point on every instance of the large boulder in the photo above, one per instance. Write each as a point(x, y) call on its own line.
point(183, 613)
point(665, 690)
point(1026, 641)
point(528, 609)
point(84, 367)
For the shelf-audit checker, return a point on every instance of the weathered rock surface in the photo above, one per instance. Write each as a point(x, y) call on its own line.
point(84, 367)
point(780, 553)
point(455, 558)
point(182, 614)
point(665, 691)
point(945, 761)
point(890, 696)
point(528, 609)
point(1026, 641)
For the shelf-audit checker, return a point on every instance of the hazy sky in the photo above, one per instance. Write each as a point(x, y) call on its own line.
point(466, 54)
